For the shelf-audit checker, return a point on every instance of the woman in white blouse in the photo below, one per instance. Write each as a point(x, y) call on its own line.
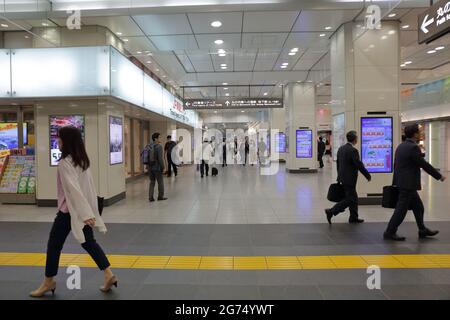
point(77, 211)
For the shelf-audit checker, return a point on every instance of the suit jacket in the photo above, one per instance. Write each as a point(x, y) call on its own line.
point(408, 161)
point(320, 148)
point(348, 165)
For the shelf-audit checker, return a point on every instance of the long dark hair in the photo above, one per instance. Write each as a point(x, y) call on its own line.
point(73, 145)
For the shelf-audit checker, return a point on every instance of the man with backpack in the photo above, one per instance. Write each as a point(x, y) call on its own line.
point(152, 156)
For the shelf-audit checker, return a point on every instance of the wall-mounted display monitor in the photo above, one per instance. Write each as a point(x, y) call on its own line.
point(57, 122)
point(304, 142)
point(115, 140)
point(9, 138)
point(377, 144)
point(280, 139)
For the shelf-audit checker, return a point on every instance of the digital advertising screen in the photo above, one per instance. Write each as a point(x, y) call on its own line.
point(376, 144)
point(115, 140)
point(57, 122)
point(303, 143)
point(280, 139)
point(9, 138)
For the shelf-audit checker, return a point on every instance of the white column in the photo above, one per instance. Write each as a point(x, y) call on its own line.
point(300, 105)
point(365, 69)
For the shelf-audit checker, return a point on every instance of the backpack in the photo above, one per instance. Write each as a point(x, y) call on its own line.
point(148, 155)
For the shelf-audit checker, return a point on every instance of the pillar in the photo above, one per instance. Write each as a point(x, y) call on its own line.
point(365, 67)
point(300, 108)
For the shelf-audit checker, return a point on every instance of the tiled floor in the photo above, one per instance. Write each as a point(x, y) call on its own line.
point(239, 195)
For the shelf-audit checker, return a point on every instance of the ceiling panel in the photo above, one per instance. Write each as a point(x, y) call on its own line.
point(270, 21)
point(318, 20)
point(230, 41)
point(184, 59)
point(244, 59)
point(411, 18)
point(231, 22)
point(266, 59)
point(164, 24)
point(217, 60)
point(304, 64)
point(135, 44)
point(312, 54)
point(201, 61)
point(175, 42)
point(307, 40)
point(118, 24)
point(286, 58)
point(263, 40)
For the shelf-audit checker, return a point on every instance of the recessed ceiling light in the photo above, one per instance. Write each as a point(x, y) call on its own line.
point(216, 24)
point(157, 69)
point(440, 48)
point(403, 65)
point(242, 111)
point(223, 65)
point(283, 67)
point(406, 26)
point(328, 28)
point(225, 83)
point(164, 76)
point(225, 88)
point(45, 24)
point(126, 40)
point(4, 25)
point(218, 41)
point(222, 55)
point(215, 111)
point(223, 68)
point(221, 51)
point(431, 51)
point(139, 52)
point(149, 61)
point(27, 37)
point(285, 64)
point(265, 93)
point(392, 15)
point(383, 37)
point(119, 33)
point(391, 32)
point(292, 53)
point(227, 94)
point(322, 35)
point(408, 62)
point(294, 50)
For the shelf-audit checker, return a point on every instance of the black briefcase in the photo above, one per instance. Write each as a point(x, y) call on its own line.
point(390, 197)
point(100, 201)
point(336, 192)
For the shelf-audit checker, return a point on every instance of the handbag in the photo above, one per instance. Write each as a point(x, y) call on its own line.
point(100, 202)
point(390, 197)
point(336, 192)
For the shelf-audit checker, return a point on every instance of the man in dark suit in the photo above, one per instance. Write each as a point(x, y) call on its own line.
point(320, 151)
point(348, 165)
point(408, 161)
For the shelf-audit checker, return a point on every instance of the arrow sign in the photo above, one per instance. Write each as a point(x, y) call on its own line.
point(227, 103)
point(426, 23)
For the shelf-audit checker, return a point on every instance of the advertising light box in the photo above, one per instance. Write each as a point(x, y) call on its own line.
point(280, 140)
point(115, 140)
point(9, 138)
point(376, 144)
point(303, 145)
point(57, 122)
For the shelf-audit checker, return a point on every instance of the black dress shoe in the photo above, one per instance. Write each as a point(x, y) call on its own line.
point(162, 199)
point(151, 199)
point(355, 221)
point(329, 215)
point(427, 233)
point(394, 237)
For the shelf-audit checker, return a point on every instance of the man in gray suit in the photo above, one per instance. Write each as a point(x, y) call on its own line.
point(408, 162)
point(156, 168)
point(348, 165)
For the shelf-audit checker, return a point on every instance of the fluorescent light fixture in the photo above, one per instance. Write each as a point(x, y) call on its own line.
point(216, 24)
point(222, 55)
point(431, 51)
point(283, 67)
point(294, 50)
point(242, 111)
point(4, 25)
point(225, 88)
point(285, 64)
point(119, 33)
point(391, 32)
point(439, 48)
point(223, 68)
point(218, 41)
point(223, 65)
point(392, 15)
point(227, 94)
point(45, 24)
point(225, 83)
point(406, 26)
point(408, 62)
point(126, 40)
point(328, 28)
point(322, 35)
point(383, 37)
point(265, 93)
point(138, 52)
point(164, 76)
point(221, 51)
point(292, 53)
point(149, 61)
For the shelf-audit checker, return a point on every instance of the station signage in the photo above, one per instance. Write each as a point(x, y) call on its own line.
point(235, 103)
point(434, 22)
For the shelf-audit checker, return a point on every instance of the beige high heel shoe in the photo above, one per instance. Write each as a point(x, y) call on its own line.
point(108, 285)
point(43, 289)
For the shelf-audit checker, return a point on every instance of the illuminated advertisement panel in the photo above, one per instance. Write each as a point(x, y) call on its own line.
point(376, 144)
point(303, 143)
point(115, 140)
point(57, 122)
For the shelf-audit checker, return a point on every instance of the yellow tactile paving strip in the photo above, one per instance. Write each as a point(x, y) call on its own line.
point(399, 261)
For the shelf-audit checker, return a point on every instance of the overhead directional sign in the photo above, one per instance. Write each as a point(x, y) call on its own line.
point(434, 22)
point(233, 103)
